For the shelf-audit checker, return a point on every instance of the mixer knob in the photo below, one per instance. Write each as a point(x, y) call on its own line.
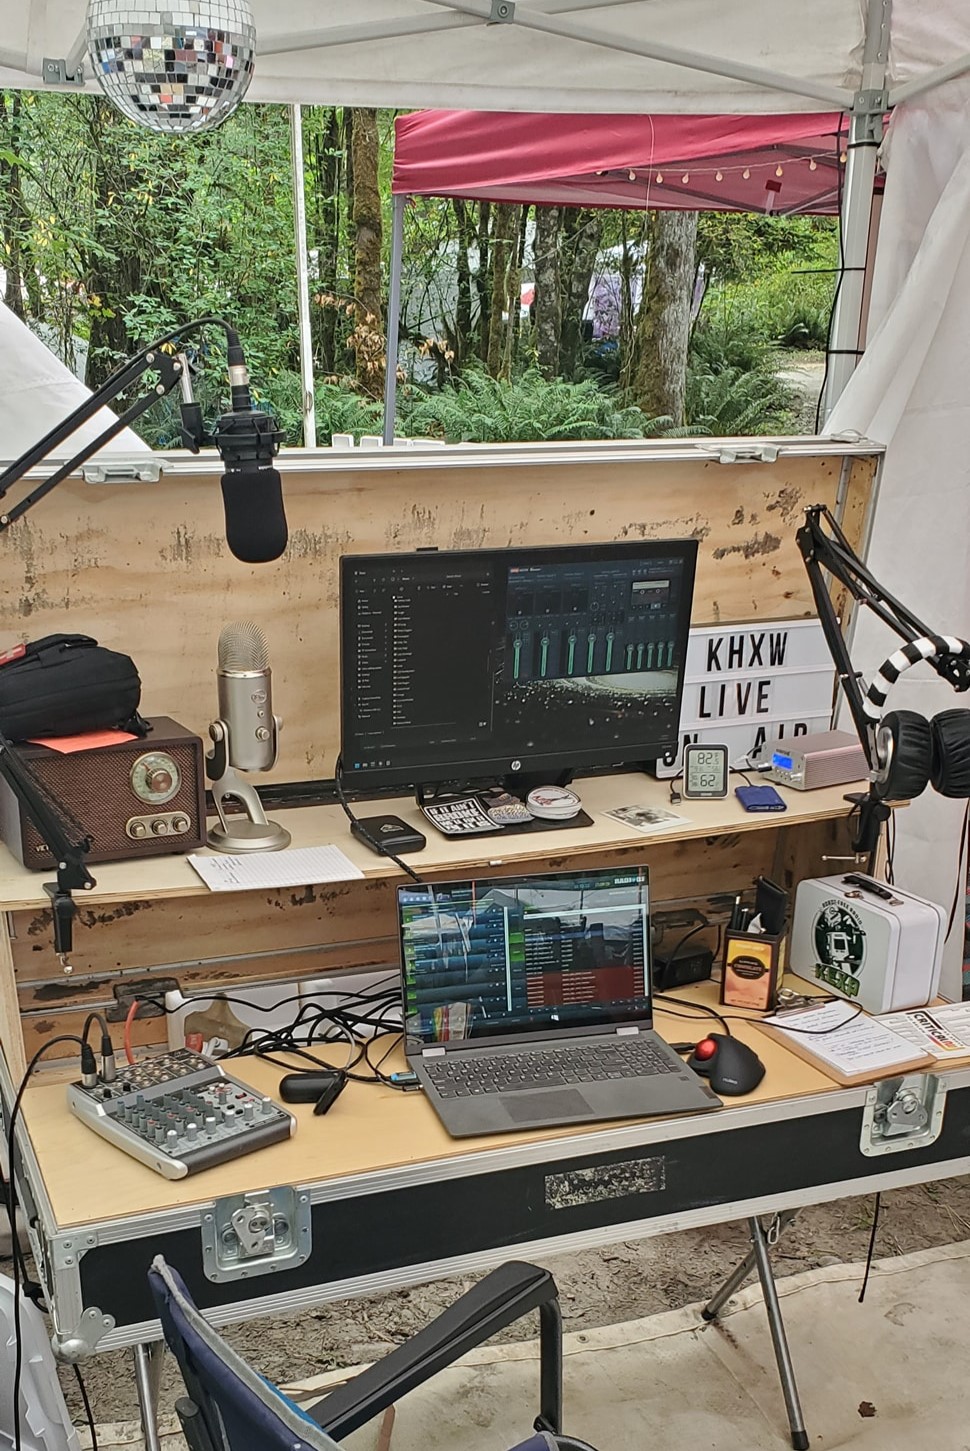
point(210, 1122)
point(249, 1112)
point(171, 1138)
point(192, 1131)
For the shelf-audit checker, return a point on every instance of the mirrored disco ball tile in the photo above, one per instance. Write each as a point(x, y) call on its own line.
point(172, 70)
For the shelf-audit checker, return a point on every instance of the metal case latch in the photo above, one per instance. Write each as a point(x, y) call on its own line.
point(903, 1113)
point(245, 1235)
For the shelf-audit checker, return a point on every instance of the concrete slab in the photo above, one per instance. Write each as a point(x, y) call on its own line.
point(887, 1374)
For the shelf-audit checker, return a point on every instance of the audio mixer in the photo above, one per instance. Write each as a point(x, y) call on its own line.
point(179, 1113)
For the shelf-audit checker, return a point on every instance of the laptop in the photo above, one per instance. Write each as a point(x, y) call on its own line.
point(527, 1002)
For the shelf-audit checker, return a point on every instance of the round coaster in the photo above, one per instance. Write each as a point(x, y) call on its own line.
point(553, 803)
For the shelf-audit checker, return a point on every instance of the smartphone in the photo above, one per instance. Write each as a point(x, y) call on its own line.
point(759, 798)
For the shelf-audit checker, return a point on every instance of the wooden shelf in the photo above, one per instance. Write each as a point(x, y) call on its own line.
point(172, 876)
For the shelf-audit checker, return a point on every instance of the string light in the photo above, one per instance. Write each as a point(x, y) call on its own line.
point(779, 170)
point(686, 177)
point(660, 178)
point(746, 173)
point(813, 164)
point(719, 176)
point(842, 157)
point(632, 175)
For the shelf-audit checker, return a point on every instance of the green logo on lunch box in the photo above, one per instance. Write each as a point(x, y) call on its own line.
point(840, 947)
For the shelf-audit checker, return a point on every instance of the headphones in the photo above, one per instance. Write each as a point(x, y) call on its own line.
point(909, 752)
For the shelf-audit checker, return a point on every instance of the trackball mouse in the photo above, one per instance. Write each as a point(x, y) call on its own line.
point(730, 1065)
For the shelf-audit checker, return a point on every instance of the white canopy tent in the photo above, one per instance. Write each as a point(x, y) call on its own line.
point(541, 55)
point(705, 56)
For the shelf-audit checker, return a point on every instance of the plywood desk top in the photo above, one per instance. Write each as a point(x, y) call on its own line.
point(372, 1130)
point(172, 876)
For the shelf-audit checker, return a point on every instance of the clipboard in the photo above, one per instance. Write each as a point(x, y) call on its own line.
point(855, 1049)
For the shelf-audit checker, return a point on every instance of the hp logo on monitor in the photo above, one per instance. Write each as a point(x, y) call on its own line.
point(515, 766)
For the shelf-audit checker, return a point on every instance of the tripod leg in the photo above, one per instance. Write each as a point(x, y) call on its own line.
point(734, 1281)
point(786, 1372)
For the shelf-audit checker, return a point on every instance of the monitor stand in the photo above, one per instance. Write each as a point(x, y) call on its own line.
point(465, 810)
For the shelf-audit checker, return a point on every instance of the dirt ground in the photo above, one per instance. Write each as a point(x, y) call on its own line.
point(601, 1287)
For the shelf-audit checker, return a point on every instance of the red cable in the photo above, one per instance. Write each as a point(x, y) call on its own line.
point(132, 1014)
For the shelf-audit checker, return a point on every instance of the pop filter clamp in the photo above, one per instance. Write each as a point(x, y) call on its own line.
point(825, 549)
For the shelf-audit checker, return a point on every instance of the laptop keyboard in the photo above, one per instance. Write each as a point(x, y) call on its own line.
point(462, 1075)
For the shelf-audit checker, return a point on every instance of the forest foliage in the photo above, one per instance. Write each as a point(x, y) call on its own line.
point(113, 235)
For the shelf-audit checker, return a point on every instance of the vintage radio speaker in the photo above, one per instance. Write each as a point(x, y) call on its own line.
point(140, 798)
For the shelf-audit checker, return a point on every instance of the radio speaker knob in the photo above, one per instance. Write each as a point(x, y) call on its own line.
point(181, 823)
point(160, 827)
point(138, 828)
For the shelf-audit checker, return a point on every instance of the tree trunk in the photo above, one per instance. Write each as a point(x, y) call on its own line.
point(513, 294)
point(326, 159)
point(15, 222)
point(503, 240)
point(581, 243)
point(463, 302)
point(483, 280)
point(548, 301)
point(663, 327)
point(368, 334)
point(112, 277)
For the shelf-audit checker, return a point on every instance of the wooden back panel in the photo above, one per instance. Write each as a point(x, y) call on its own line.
point(145, 568)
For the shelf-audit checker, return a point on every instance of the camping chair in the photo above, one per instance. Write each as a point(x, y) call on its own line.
point(229, 1407)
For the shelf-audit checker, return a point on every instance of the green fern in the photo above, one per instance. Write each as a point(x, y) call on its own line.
point(529, 409)
point(730, 402)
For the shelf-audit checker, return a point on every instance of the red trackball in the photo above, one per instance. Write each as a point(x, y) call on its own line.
point(706, 1048)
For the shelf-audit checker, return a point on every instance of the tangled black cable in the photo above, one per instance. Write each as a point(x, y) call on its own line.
point(358, 1021)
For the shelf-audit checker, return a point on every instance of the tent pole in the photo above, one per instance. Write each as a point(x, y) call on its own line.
point(865, 133)
point(393, 319)
point(308, 408)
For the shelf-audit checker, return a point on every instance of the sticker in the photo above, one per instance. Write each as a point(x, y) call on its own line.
point(605, 1181)
point(16, 652)
point(840, 946)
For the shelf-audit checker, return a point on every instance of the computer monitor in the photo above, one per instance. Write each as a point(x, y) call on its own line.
point(512, 665)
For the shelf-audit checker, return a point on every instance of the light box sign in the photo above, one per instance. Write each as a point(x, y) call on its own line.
point(744, 685)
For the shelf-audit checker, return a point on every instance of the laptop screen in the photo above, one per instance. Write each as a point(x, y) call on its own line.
point(568, 950)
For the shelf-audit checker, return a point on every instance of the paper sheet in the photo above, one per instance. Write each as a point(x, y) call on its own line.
point(850, 1042)
point(296, 867)
point(943, 1031)
point(647, 818)
point(91, 740)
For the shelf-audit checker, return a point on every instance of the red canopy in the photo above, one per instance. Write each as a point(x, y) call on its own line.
point(767, 163)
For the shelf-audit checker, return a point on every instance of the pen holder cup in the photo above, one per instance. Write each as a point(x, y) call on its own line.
point(752, 969)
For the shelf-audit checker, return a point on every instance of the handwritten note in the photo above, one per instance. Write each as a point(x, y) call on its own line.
point(297, 867)
point(843, 1039)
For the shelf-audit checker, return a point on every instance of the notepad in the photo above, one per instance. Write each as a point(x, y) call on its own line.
point(301, 866)
point(849, 1046)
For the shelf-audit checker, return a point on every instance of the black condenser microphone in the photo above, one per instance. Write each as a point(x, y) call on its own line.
point(252, 491)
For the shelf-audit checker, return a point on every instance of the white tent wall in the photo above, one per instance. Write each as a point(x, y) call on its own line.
point(912, 392)
point(37, 392)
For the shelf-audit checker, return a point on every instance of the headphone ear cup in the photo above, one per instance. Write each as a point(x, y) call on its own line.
point(950, 773)
point(904, 749)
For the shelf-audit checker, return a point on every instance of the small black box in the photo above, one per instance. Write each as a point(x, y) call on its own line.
point(694, 965)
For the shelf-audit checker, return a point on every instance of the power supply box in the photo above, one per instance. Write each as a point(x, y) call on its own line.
point(828, 758)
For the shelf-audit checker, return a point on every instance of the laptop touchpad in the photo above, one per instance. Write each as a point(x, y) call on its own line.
point(549, 1104)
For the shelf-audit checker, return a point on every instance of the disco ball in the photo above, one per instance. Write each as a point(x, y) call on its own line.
point(172, 70)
